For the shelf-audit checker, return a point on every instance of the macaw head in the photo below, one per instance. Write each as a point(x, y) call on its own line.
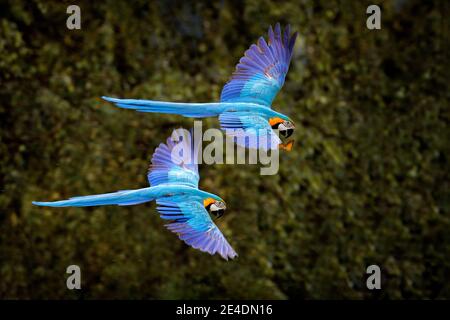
point(215, 207)
point(285, 126)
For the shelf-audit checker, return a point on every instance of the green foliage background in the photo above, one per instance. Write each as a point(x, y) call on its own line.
point(367, 182)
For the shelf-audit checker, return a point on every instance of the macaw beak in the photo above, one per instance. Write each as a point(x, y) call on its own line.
point(286, 128)
point(218, 209)
point(287, 133)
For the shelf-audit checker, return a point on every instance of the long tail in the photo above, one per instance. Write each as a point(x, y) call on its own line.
point(121, 198)
point(193, 110)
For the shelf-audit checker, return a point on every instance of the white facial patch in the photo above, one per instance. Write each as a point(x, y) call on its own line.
point(282, 127)
point(216, 206)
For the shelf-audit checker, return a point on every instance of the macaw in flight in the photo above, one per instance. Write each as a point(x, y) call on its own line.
point(174, 185)
point(244, 109)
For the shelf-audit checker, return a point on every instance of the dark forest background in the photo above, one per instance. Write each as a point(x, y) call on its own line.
point(367, 182)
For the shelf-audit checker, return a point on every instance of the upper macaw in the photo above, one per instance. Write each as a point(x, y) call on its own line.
point(174, 186)
point(246, 99)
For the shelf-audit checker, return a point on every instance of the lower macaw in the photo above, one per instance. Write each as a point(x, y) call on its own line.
point(174, 185)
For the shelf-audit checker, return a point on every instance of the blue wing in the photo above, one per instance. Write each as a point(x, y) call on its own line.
point(249, 130)
point(194, 226)
point(176, 161)
point(260, 73)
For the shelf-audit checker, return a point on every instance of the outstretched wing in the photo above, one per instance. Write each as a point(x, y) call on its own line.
point(192, 223)
point(260, 73)
point(249, 130)
point(175, 161)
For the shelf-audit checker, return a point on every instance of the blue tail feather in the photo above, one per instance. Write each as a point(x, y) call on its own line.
point(121, 198)
point(194, 110)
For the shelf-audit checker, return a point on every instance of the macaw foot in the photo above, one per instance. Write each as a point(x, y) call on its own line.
point(286, 145)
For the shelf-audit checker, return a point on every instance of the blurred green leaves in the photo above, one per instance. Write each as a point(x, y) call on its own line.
point(367, 182)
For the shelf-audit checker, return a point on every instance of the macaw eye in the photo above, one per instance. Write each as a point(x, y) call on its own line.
point(289, 124)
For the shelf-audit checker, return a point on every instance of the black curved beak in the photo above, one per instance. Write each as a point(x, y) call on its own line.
point(219, 213)
point(287, 133)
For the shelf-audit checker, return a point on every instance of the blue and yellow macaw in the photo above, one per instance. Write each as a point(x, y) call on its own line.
point(174, 185)
point(246, 100)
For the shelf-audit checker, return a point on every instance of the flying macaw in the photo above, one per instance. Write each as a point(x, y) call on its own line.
point(246, 99)
point(174, 185)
